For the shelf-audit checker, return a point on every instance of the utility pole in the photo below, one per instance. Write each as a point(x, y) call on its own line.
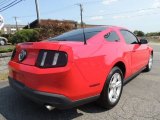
point(81, 14)
point(16, 23)
point(37, 10)
point(82, 24)
point(28, 25)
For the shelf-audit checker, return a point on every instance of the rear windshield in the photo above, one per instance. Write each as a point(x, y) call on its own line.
point(77, 35)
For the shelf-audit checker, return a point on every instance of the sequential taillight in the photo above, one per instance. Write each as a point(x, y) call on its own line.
point(51, 58)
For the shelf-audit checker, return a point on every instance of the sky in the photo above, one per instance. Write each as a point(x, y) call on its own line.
point(132, 14)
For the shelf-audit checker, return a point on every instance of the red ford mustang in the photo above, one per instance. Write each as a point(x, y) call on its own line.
point(79, 66)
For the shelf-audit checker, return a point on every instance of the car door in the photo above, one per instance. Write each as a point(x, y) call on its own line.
point(138, 52)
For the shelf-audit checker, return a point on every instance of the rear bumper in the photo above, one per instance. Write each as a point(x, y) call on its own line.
point(43, 98)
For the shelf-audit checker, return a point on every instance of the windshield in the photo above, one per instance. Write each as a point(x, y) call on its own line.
point(77, 35)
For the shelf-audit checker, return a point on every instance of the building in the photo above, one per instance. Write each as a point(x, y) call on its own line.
point(11, 29)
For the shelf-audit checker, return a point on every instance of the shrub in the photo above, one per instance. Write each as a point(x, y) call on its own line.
point(50, 29)
point(25, 35)
point(153, 34)
point(139, 33)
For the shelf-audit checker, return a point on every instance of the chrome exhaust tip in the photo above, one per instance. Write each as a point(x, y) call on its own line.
point(49, 107)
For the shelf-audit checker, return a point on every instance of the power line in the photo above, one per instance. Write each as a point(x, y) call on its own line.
point(48, 12)
point(88, 2)
point(59, 9)
point(10, 5)
point(69, 6)
point(4, 2)
point(113, 13)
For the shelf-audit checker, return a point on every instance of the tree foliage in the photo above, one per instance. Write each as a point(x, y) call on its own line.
point(50, 29)
point(153, 34)
point(26, 35)
point(139, 33)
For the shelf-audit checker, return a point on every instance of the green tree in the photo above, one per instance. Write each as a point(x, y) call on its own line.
point(25, 35)
point(139, 33)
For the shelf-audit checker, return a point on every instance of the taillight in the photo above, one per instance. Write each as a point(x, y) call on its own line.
point(13, 54)
point(51, 58)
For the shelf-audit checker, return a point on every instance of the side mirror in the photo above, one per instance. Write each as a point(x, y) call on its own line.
point(143, 41)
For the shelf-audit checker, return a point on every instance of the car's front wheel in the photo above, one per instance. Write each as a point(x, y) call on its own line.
point(150, 63)
point(112, 90)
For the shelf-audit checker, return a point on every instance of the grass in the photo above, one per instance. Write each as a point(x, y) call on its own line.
point(6, 48)
point(3, 76)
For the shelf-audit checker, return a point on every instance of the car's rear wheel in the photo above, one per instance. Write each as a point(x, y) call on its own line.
point(2, 42)
point(112, 90)
point(150, 63)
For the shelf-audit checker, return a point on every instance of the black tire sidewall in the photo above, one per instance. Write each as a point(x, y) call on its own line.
point(105, 94)
point(147, 67)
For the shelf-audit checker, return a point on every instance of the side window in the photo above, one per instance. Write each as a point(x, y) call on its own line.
point(129, 37)
point(111, 37)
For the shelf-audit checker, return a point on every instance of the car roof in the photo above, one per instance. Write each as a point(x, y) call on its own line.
point(92, 29)
point(100, 28)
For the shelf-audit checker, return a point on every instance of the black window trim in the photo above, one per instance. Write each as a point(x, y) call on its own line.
point(131, 33)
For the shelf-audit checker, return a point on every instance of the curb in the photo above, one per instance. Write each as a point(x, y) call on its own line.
point(4, 83)
point(8, 54)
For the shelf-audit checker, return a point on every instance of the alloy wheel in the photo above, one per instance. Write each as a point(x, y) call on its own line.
point(150, 62)
point(115, 87)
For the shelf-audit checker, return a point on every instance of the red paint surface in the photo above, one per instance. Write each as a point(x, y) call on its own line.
point(87, 68)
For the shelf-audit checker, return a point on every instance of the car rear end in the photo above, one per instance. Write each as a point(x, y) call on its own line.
point(49, 72)
point(45, 72)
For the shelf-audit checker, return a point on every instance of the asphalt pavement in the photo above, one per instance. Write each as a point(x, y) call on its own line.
point(140, 100)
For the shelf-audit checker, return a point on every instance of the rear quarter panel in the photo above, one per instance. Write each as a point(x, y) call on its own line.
point(96, 59)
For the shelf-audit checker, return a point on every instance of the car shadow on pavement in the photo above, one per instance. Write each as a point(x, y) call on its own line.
point(13, 106)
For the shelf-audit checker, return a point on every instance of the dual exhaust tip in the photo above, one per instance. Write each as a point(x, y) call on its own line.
point(49, 107)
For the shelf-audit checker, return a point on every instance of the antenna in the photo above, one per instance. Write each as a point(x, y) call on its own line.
point(82, 24)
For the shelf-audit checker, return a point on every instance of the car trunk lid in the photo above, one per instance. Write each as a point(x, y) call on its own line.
point(32, 50)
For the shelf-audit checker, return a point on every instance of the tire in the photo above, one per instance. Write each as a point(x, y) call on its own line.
point(150, 63)
point(2, 42)
point(111, 92)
